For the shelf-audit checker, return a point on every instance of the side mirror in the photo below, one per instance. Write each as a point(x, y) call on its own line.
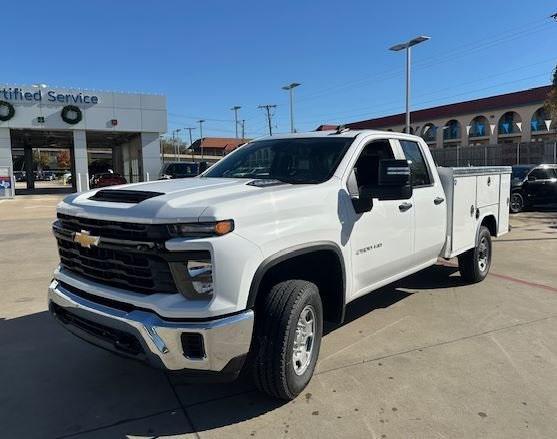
point(361, 200)
point(394, 180)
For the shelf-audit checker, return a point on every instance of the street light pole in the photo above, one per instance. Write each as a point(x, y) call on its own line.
point(235, 109)
point(408, 47)
point(290, 88)
point(201, 136)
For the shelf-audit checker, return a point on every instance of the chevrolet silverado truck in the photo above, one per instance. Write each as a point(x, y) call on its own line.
point(240, 266)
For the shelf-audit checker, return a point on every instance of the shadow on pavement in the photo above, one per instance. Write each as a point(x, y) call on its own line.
point(54, 385)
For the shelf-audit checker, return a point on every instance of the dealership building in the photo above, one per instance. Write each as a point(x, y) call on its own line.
point(54, 139)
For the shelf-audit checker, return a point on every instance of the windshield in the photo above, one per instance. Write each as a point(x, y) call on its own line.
point(297, 160)
point(519, 173)
point(182, 168)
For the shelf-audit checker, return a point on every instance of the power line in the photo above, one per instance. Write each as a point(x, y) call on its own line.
point(378, 106)
point(460, 51)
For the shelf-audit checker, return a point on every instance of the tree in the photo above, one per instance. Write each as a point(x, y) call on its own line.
point(63, 159)
point(41, 159)
point(551, 102)
point(169, 146)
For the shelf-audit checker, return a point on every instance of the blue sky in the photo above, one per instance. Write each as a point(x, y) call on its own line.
point(208, 56)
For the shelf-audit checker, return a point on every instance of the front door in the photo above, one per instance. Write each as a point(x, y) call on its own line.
point(382, 239)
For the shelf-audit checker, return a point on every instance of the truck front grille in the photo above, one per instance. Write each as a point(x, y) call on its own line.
point(123, 269)
point(115, 229)
point(128, 255)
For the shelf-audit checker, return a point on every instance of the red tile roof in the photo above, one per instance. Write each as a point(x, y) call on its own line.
point(515, 99)
point(224, 143)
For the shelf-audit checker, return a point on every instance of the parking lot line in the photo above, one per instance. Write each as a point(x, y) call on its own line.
point(509, 278)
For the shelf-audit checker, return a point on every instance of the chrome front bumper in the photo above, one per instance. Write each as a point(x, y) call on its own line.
point(147, 337)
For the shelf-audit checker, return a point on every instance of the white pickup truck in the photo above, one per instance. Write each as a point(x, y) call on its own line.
point(240, 266)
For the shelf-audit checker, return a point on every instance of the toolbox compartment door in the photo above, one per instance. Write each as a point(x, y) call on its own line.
point(464, 208)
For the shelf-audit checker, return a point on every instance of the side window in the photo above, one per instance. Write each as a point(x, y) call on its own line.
point(418, 167)
point(366, 168)
point(540, 174)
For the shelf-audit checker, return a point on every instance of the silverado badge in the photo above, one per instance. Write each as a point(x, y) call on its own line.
point(84, 239)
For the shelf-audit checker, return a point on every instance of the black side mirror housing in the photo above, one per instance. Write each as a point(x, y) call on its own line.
point(394, 180)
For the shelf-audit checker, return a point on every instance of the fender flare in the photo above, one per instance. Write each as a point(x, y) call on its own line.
point(289, 253)
point(480, 222)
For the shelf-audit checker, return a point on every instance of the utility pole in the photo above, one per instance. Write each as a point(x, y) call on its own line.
point(290, 88)
point(191, 141)
point(201, 135)
point(243, 122)
point(235, 109)
point(268, 109)
point(176, 144)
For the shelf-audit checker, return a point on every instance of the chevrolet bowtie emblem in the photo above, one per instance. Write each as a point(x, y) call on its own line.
point(84, 239)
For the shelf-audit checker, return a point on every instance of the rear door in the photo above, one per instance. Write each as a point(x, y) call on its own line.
point(430, 214)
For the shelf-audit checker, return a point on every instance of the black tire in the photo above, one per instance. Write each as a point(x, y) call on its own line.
point(475, 263)
point(276, 322)
point(516, 203)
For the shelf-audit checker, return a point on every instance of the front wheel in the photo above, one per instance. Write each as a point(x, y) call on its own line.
point(474, 264)
point(289, 326)
point(517, 202)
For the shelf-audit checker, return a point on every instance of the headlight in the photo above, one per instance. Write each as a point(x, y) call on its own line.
point(195, 230)
point(194, 276)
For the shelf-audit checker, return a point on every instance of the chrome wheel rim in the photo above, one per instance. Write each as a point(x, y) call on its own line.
point(516, 202)
point(303, 340)
point(483, 254)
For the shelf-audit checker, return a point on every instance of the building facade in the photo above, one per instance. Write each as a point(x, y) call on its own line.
point(56, 138)
point(507, 118)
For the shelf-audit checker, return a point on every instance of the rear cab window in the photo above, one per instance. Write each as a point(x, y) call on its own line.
point(419, 170)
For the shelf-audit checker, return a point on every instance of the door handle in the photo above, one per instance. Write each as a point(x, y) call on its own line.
point(404, 207)
point(438, 200)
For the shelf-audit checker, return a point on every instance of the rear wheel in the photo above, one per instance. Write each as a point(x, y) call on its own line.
point(517, 202)
point(289, 326)
point(475, 263)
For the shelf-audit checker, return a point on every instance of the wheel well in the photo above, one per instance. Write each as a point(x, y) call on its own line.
point(322, 267)
point(491, 224)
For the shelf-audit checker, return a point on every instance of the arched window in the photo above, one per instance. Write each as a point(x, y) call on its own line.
point(510, 123)
point(538, 122)
point(429, 132)
point(451, 130)
point(479, 127)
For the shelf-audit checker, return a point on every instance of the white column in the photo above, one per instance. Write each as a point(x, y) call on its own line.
point(80, 159)
point(151, 153)
point(5, 147)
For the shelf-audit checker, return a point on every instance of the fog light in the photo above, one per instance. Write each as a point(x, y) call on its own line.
point(194, 275)
point(201, 276)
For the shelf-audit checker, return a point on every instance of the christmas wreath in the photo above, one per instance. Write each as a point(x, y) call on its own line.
point(71, 114)
point(7, 111)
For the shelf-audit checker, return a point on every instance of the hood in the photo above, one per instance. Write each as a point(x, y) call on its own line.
point(180, 200)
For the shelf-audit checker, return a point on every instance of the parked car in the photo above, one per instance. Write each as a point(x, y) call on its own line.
point(182, 170)
point(106, 179)
point(533, 185)
point(206, 274)
point(20, 175)
point(48, 176)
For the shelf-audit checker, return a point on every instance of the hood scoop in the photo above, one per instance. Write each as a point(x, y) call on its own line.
point(123, 196)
